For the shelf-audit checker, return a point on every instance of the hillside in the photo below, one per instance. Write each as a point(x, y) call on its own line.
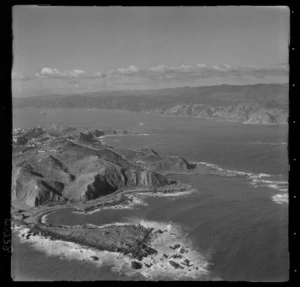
point(253, 104)
point(59, 164)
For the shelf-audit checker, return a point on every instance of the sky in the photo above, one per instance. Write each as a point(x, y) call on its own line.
point(85, 49)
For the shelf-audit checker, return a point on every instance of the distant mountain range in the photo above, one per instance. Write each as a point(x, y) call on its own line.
point(252, 104)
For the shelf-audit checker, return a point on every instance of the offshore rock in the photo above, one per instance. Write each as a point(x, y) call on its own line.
point(136, 265)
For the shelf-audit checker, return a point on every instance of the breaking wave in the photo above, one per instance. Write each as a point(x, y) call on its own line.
point(274, 182)
point(175, 259)
point(268, 143)
point(281, 198)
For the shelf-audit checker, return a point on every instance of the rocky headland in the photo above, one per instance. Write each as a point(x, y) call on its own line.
point(60, 164)
point(61, 167)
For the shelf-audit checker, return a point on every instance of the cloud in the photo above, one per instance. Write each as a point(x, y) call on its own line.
point(201, 66)
point(161, 73)
point(222, 68)
point(188, 69)
point(49, 71)
point(170, 69)
point(282, 65)
point(154, 76)
point(76, 73)
point(201, 71)
point(98, 75)
point(128, 70)
point(215, 68)
point(17, 76)
point(159, 69)
point(188, 74)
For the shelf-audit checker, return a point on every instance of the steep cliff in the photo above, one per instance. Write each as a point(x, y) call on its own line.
point(90, 186)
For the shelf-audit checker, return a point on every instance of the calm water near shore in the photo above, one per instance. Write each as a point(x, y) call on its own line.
point(240, 226)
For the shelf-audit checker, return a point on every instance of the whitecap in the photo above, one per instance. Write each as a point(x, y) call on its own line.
point(171, 234)
point(274, 181)
point(160, 266)
point(269, 143)
point(255, 179)
point(281, 198)
point(66, 250)
point(167, 194)
point(264, 175)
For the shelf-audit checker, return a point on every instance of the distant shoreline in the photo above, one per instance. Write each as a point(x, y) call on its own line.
point(251, 104)
point(46, 112)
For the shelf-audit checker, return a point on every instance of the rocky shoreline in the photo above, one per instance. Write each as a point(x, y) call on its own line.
point(71, 169)
point(35, 221)
point(145, 246)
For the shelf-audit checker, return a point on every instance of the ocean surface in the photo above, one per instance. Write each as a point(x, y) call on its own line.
point(240, 226)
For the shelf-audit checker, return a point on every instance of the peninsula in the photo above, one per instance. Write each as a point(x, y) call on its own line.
point(60, 167)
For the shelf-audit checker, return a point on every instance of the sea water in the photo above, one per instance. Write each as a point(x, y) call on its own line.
point(240, 226)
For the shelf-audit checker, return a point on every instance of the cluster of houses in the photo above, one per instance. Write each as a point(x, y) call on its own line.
point(19, 141)
point(17, 132)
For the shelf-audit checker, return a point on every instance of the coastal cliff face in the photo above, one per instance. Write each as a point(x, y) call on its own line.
point(113, 179)
point(251, 104)
point(59, 170)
